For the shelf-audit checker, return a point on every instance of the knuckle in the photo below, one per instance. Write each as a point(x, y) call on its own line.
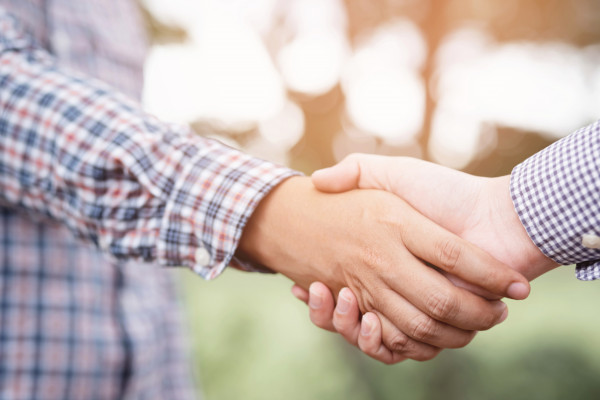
point(423, 328)
point(398, 343)
point(488, 321)
point(341, 325)
point(442, 306)
point(449, 254)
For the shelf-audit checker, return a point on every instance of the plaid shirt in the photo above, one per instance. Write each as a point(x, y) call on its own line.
point(91, 187)
point(557, 196)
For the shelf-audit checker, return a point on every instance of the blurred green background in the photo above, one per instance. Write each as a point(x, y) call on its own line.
point(476, 85)
point(253, 340)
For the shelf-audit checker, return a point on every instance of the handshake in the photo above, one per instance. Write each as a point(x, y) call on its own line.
point(424, 253)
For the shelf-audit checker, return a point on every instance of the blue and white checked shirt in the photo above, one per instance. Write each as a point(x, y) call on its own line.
point(556, 193)
point(78, 155)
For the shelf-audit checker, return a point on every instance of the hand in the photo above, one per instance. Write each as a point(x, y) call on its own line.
point(344, 318)
point(478, 209)
point(374, 243)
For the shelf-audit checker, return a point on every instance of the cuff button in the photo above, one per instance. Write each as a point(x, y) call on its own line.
point(591, 241)
point(202, 256)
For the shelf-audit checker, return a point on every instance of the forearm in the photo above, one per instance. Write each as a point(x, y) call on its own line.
point(291, 232)
point(76, 151)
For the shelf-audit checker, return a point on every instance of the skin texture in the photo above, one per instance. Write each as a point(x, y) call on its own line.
point(477, 209)
point(377, 245)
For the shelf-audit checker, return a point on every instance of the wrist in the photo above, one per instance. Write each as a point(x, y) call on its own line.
point(277, 231)
point(535, 263)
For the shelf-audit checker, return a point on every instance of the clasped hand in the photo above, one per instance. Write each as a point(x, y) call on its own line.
point(477, 209)
point(376, 244)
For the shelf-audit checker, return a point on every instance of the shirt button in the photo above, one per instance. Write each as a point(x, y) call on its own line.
point(591, 241)
point(202, 257)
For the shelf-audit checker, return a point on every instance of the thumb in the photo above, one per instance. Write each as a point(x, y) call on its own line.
point(341, 177)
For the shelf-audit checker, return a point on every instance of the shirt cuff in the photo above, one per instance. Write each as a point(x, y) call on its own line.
point(555, 195)
point(209, 206)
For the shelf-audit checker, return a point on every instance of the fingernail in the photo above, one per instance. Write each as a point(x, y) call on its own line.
point(517, 291)
point(315, 301)
point(499, 306)
point(503, 316)
point(343, 305)
point(366, 326)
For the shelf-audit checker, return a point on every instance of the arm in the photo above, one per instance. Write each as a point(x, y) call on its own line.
point(76, 151)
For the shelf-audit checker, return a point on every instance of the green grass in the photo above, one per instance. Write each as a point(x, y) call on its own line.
point(253, 340)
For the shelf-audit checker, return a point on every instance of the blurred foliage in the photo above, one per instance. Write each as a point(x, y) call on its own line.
point(253, 340)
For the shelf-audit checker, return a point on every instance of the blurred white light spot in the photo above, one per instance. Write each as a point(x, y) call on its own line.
point(455, 138)
point(267, 150)
point(224, 74)
point(312, 62)
point(543, 88)
point(345, 143)
point(385, 95)
point(303, 16)
point(389, 104)
point(398, 43)
point(533, 87)
point(462, 46)
point(284, 129)
point(189, 14)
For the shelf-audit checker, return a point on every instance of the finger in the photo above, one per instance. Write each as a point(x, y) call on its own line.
point(339, 178)
point(300, 293)
point(370, 341)
point(470, 287)
point(399, 342)
point(356, 171)
point(432, 294)
point(321, 305)
point(418, 325)
point(377, 172)
point(461, 258)
point(346, 318)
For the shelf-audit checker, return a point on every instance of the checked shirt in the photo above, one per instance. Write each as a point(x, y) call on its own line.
point(95, 195)
point(556, 193)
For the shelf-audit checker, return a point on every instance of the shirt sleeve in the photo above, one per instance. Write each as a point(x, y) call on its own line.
point(77, 151)
point(556, 194)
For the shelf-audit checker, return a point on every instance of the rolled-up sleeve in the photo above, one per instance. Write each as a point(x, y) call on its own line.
point(556, 194)
point(75, 150)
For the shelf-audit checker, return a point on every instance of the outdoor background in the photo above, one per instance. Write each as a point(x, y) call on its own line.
point(476, 85)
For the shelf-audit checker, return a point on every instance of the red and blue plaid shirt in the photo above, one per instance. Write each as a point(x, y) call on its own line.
point(95, 195)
